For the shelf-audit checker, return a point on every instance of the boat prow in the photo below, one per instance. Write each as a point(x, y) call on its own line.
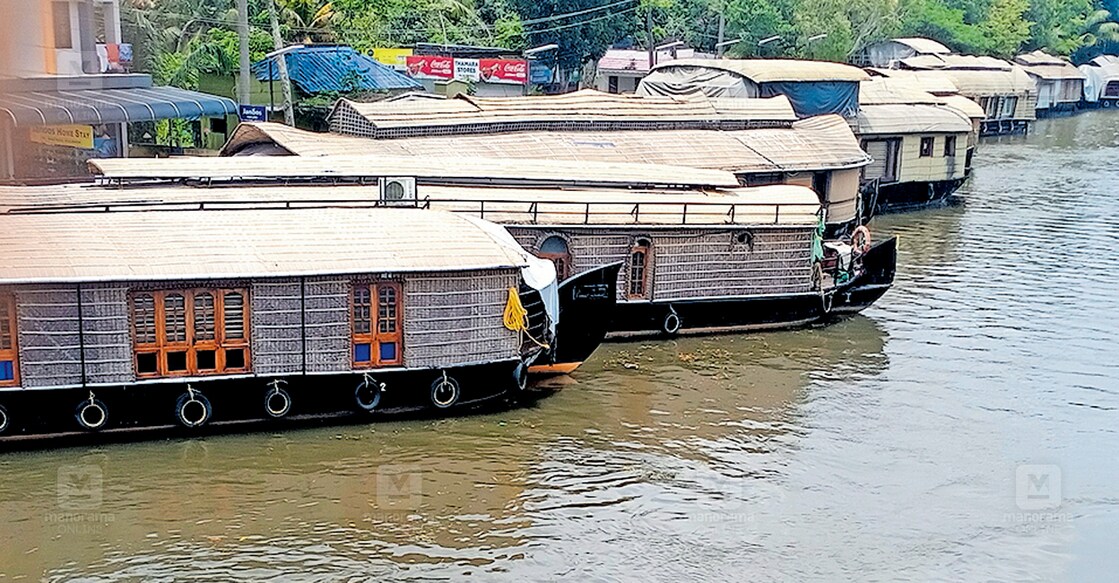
point(587, 301)
point(879, 268)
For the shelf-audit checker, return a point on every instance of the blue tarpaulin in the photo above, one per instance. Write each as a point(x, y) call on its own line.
point(334, 69)
point(817, 97)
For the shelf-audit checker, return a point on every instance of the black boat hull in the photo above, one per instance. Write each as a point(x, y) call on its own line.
point(144, 411)
point(710, 316)
point(909, 196)
point(587, 303)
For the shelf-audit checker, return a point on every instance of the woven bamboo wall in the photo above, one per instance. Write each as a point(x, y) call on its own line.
point(277, 341)
point(695, 263)
point(457, 318)
point(713, 265)
point(49, 339)
point(328, 325)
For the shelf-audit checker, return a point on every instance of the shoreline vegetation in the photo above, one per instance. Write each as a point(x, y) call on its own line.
point(177, 40)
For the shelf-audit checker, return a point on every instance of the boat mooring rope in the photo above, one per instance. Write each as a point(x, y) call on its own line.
point(516, 317)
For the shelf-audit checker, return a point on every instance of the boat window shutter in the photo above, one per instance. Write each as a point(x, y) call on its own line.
point(362, 325)
point(9, 351)
point(190, 332)
point(639, 256)
point(378, 329)
point(235, 348)
point(388, 324)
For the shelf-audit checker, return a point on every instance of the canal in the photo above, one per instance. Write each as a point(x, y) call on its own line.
point(964, 428)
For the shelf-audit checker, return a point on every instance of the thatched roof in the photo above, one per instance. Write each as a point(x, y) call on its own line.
point(1048, 67)
point(245, 243)
point(821, 143)
point(581, 109)
point(775, 70)
point(447, 168)
point(895, 90)
point(896, 119)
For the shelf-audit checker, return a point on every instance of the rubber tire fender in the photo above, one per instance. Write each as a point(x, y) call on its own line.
point(95, 407)
point(189, 401)
point(441, 384)
point(284, 397)
point(365, 387)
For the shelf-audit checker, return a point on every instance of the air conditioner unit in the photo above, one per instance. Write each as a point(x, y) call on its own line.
point(398, 191)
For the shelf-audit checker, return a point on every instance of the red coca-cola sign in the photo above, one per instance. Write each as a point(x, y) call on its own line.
point(511, 71)
point(430, 67)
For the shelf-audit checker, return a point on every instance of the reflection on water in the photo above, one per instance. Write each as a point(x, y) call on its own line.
point(889, 446)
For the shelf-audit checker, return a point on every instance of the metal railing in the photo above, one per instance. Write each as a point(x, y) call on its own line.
point(666, 212)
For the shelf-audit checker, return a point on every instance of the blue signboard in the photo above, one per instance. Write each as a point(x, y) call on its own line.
point(540, 73)
point(252, 113)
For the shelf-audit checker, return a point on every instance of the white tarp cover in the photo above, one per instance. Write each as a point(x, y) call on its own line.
point(539, 274)
point(696, 82)
point(1097, 79)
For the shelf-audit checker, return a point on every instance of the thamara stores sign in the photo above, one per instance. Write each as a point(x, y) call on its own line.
point(72, 136)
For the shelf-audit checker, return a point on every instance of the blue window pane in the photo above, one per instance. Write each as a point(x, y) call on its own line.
point(7, 370)
point(362, 353)
point(388, 351)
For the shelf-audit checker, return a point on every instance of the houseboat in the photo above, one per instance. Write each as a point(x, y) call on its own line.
point(1004, 90)
point(922, 147)
point(1060, 85)
point(1101, 83)
point(813, 87)
point(695, 260)
point(127, 309)
point(759, 140)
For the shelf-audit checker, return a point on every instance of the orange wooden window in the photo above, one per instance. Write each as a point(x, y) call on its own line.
point(9, 347)
point(637, 284)
point(377, 324)
point(190, 332)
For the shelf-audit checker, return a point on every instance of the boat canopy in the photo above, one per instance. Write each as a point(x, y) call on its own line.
point(1048, 67)
point(822, 143)
point(448, 168)
point(896, 90)
point(54, 246)
point(896, 119)
point(1099, 72)
point(813, 87)
point(581, 109)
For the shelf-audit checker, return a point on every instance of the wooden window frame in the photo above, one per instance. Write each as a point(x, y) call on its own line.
point(950, 145)
point(375, 337)
point(927, 153)
point(219, 344)
point(11, 353)
point(643, 245)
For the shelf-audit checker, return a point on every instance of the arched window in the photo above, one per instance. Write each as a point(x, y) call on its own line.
point(555, 249)
point(640, 255)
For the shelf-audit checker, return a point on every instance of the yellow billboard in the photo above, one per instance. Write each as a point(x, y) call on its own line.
point(391, 56)
point(71, 136)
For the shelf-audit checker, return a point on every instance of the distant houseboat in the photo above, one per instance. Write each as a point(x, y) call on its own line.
point(1004, 90)
point(922, 147)
point(1060, 85)
point(694, 260)
point(1101, 84)
point(190, 316)
point(759, 140)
